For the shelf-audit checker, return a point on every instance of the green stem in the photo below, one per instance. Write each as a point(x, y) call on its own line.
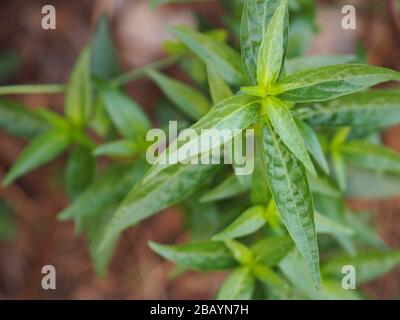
point(32, 88)
point(141, 72)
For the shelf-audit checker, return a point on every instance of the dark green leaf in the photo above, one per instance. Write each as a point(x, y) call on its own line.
point(292, 195)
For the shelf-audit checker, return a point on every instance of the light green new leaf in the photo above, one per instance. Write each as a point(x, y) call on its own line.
point(219, 89)
point(271, 279)
point(53, 119)
point(369, 265)
point(167, 188)
point(315, 61)
point(273, 47)
point(80, 170)
point(260, 194)
point(41, 150)
point(78, 95)
point(125, 113)
point(291, 192)
point(312, 144)
point(248, 222)
point(256, 17)
point(104, 57)
point(372, 108)
point(239, 285)
point(284, 124)
point(240, 252)
point(188, 100)
point(228, 188)
point(19, 120)
point(225, 59)
point(226, 119)
point(330, 82)
point(270, 251)
point(106, 191)
point(201, 256)
point(371, 156)
point(119, 148)
point(326, 225)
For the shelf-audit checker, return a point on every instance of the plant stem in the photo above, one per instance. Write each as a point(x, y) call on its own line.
point(32, 88)
point(141, 72)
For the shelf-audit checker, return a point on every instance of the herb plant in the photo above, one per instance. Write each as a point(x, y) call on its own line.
point(284, 231)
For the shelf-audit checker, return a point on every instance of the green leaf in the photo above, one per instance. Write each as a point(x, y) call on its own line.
point(104, 57)
point(219, 89)
point(295, 269)
point(165, 189)
point(119, 148)
point(41, 150)
point(273, 47)
point(321, 185)
point(273, 281)
point(241, 253)
point(106, 191)
point(326, 225)
point(234, 114)
point(312, 144)
point(371, 156)
point(260, 194)
point(125, 113)
point(230, 187)
point(248, 222)
point(226, 60)
point(372, 108)
point(53, 119)
point(292, 195)
point(315, 61)
point(270, 251)
point(202, 256)
point(78, 95)
point(239, 285)
point(256, 17)
point(19, 120)
point(372, 185)
point(188, 100)
point(284, 124)
point(369, 265)
point(80, 170)
point(330, 82)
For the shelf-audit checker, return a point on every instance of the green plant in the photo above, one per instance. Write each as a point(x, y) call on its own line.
point(316, 132)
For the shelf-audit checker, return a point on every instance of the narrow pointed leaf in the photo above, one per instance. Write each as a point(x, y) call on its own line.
point(371, 156)
point(273, 47)
point(119, 148)
point(230, 187)
point(78, 95)
point(270, 251)
point(292, 195)
point(20, 120)
point(256, 17)
point(201, 256)
point(240, 252)
point(248, 222)
point(372, 108)
point(226, 60)
point(312, 144)
point(326, 225)
point(331, 82)
point(219, 89)
point(187, 99)
point(235, 113)
point(284, 124)
point(369, 265)
point(125, 113)
point(165, 189)
point(41, 150)
point(239, 285)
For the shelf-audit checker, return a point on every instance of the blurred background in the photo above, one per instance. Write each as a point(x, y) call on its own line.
point(32, 236)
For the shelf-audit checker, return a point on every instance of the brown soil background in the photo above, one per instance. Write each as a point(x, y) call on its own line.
point(136, 273)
